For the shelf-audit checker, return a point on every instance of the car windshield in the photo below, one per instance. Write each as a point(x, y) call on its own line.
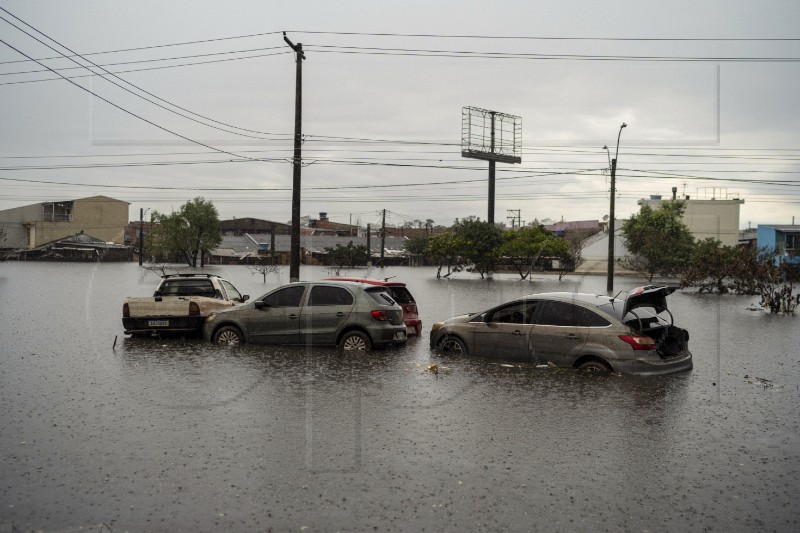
point(380, 295)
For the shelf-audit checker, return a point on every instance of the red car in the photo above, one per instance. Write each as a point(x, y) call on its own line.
point(403, 298)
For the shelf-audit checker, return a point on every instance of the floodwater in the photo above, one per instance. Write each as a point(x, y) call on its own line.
point(180, 435)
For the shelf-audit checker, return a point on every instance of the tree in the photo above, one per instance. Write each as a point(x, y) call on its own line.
point(342, 256)
point(479, 243)
point(264, 266)
point(416, 245)
point(710, 265)
point(659, 240)
point(191, 231)
point(445, 248)
point(525, 246)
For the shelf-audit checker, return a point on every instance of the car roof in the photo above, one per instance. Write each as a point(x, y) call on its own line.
point(369, 281)
point(592, 299)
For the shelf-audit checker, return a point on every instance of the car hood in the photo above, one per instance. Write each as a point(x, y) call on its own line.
point(648, 296)
point(460, 318)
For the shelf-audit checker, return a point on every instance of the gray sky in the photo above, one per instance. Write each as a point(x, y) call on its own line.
point(382, 113)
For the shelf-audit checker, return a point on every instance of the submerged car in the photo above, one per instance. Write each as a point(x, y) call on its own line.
point(634, 335)
point(352, 316)
point(401, 295)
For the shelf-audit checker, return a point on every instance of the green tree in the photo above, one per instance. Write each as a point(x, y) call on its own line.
point(186, 234)
point(416, 245)
point(479, 243)
point(346, 256)
point(525, 246)
point(659, 240)
point(711, 264)
point(445, 248)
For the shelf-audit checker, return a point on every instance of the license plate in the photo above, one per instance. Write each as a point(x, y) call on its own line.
point(158, 323)
point(400, 335)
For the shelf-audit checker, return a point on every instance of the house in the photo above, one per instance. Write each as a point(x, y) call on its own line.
point(35, 225)
point(78, 248)
point(707, 217)
point(253, 226)
point(784, 240)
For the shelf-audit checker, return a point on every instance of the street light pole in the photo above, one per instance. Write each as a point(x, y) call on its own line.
point(294, 260)
point(611, 229)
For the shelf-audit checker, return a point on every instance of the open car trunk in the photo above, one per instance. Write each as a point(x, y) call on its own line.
point(646, 313)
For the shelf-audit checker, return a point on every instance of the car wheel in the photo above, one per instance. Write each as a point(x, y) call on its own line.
point(595, 366)
point(354, 341)
point(230, 335)
point(453, 345)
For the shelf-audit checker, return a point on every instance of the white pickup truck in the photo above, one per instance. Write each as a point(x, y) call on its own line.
point(180, 304)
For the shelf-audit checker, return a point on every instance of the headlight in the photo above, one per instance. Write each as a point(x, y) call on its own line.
point(436, 325)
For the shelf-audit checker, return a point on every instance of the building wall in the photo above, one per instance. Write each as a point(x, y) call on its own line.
point(710, 218)
point(99, 216)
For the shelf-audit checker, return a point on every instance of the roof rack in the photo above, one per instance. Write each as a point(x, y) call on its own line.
point(165, 276)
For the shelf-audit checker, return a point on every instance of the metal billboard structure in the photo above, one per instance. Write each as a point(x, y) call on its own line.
point(493, 137)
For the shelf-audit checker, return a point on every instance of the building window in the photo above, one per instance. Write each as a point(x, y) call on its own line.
point(791, 242)
point(57, 212)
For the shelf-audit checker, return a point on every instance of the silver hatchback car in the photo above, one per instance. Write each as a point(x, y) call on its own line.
point(633, 335)
point(352, 316)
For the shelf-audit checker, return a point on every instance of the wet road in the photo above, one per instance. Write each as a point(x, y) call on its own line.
point(180, 435)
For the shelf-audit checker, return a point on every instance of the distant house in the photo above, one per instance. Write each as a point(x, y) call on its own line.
point(79, 248)
point(253, 226)
point(784, 240)
point(713, 217)
point(35, 225)
point(588, 226)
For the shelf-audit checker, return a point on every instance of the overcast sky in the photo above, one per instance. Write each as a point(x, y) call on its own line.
point(203, 105)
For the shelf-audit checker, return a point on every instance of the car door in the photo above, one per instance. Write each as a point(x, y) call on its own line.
point(327, 309)
point(505, 331)
point(559, 334)
point(276, 318)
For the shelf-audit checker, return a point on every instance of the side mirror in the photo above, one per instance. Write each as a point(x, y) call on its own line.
point(245, 297)
point(259, 304)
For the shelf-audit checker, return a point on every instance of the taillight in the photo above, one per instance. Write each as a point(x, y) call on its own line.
point(194, 309)
point(639, 342)
point(380, 315)
point(126, 312)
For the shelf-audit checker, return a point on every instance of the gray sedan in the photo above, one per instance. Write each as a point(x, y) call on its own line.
point(632, 335)
point(352, 316)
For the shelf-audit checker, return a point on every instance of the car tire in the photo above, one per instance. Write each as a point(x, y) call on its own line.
point(595, 366)
point(354, 341)
point(229, 335)
point(453, 345)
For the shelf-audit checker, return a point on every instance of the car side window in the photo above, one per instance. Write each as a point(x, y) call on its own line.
point(593, 320)
point(323, 295)
point(562, 314)
point(285, 297)
point(516, 313)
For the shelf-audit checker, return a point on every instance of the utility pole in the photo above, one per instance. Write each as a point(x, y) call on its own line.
point(611, 229)
point(141, 235)
point(490, 216)
point(369, 249)
point(383, 235)
point(294, 264)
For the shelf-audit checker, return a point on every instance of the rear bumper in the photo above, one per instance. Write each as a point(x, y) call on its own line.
point(414, 326)
point(388, 335)
point(654, 366)
point(155, 324)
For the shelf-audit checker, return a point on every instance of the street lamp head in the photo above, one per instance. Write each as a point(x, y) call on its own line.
point(623, 126)
point(605, 147)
